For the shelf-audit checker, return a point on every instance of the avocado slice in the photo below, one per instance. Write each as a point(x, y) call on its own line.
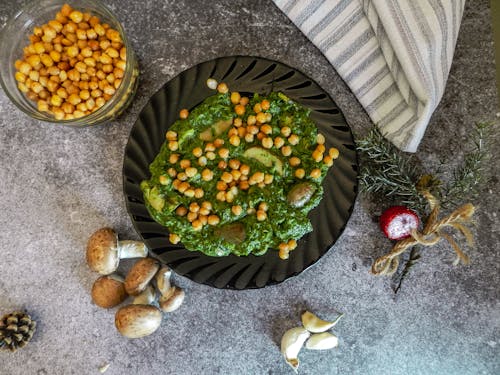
point(300, 194)
point(232, 233)
point(154, 198)
point(265, 157)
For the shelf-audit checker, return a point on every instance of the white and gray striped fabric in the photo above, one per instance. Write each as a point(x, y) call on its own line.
point(395, 55)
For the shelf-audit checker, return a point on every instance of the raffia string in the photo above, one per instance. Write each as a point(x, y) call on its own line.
point(431, 235)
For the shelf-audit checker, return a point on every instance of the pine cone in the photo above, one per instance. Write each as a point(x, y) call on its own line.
point(16, 330)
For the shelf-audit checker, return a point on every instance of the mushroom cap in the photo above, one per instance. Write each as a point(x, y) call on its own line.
point(102, 251)
point(140, 275)
point(173, 300)
point(108, 291)
point(134, 321)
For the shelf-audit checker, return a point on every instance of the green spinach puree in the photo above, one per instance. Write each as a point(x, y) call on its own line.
point(288, 198)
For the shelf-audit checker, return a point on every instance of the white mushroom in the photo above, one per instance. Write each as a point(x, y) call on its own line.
point(104, 251)
point(163, 280)
point(139, 276)
point(172, 300)
point(291, 343)
point(322, 341)
point(108, 291)
point(134, 321)
point(146, 297)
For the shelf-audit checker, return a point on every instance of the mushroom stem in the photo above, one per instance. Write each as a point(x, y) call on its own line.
point(146, 297)
point(132, 249)
point(163, 280)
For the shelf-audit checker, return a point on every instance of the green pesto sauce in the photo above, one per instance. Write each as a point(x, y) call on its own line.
point(284, 221)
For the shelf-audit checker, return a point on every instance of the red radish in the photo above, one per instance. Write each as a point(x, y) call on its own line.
point(397, 222)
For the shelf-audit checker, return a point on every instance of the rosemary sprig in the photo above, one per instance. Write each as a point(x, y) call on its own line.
point(384, 170)
point(469, 177)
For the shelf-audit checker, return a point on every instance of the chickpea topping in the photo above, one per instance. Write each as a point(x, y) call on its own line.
point(191, 172)
point(252, 129)
point(197, 152)
point(244, 185)
point(227, 178)
point(182, 176)
point(244, 169)
point(237, 122)
point(213, 220)
point(315, 173)
point(222, 165)
point(218, 142)
point(249, 137)
point(268, 179)
point(286, 150)
point(283, 252)
point(235, 97)
point(209, 147)
point(210, 155)
point(266, 129)
point(261, 215)
point(294, 161)
point(172, 172)
point(185, 163)
point(221, 186)
point(239, 109)
point(242, 132)
point(181, 211)
point(234, 140)
point(64, 56)
point(189, 193)
point(261, 117)
point(232, 131)
point(236, 210)
point(292, 244)
point(265, 105)
point(333, 153)
point(224, 153)
point(173, 158)
point(207, 175)
point(174, 238)
point(293, 139)
point(171, 135)
point(328, 161)
point(317, 156)
point(267, 142)
point(244, 100)
point(251, 120)
point(197, 225)
point(286, 131)
point(300, 173)
point(279, 142)
point(176, 183)
point(163, 180)
point(199, 193)
point(221, 196)
point(194, 207)
point(234, 164)
point(229, 196)
point(320, 148)
point(222, 88)
point(202, 161)
point(263, 206)
point(204, 211)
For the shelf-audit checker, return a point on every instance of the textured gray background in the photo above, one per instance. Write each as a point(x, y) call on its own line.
point(59, 185)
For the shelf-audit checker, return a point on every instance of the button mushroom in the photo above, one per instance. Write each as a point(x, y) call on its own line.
point(135, 321)
point(146, 297)
point(171, 296)
point(104, 251)
point(300, 194)
point(108, 291)
point(139, 276)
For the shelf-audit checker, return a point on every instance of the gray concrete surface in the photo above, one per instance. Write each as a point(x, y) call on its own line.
point(59, 185)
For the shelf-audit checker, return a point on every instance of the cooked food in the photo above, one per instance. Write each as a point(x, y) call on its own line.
point(238, 175)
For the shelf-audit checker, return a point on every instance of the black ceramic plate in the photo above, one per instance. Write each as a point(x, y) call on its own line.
point(244, 74)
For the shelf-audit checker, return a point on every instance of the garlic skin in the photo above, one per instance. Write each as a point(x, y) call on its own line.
point(322, 341)
point(316, 325)
point(291, 343)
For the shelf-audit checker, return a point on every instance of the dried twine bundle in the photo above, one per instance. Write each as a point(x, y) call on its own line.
point(431, 235)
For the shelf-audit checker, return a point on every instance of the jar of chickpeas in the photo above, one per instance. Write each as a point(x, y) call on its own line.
point(67, 62)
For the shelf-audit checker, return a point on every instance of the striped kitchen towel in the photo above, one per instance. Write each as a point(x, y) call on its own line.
point(395, 55)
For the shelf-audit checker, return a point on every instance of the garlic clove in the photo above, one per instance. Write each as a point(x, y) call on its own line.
point(172, 300)
point(316, 325)
point(291, 343)
point(322, 341)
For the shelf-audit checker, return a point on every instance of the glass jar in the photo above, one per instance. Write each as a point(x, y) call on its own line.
point(15, 36)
